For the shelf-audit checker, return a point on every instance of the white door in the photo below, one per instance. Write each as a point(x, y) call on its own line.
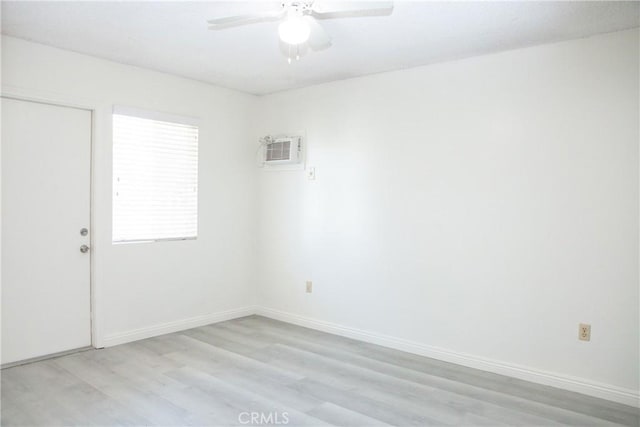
point(46, 161)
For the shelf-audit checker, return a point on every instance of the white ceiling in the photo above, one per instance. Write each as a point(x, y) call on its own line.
point(173, 36)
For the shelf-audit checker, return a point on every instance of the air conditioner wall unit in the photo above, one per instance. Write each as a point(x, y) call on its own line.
point(282, 150)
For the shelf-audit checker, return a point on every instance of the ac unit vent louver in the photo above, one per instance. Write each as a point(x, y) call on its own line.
point(278, 150)
point(282, 152)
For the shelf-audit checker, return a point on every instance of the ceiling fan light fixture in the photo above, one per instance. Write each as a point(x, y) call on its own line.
point(294, 30)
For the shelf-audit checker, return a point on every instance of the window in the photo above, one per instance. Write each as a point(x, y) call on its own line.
point(155, 176)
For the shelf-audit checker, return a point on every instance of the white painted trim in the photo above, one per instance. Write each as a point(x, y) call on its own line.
point(155, 115)
point(566, 382)
point(175, 326)
point(46, 96)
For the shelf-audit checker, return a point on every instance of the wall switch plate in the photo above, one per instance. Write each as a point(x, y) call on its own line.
point(311, 173)
point(309, 286)
point(584, 332)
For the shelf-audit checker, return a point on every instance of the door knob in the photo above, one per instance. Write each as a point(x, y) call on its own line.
point(84, 249)
point(84, 231)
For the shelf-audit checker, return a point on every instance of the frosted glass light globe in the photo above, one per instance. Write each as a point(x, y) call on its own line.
point(294, 30)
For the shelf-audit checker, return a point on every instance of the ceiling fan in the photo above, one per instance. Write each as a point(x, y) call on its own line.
point(299, 26)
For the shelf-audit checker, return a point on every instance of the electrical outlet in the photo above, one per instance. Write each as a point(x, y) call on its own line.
point(584, 332)
point(309, 286)
point(311, 173)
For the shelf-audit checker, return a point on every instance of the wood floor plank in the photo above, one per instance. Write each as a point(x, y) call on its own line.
point(575, 402)
point(356, 402)
point(338, 415)
point(217, 374)
point(242, 399)
point(267, 387)
point(137, 400)
point(344, 358)
point(213, 358)
point(417, 399)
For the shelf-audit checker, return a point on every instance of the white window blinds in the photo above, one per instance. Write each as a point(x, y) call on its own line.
point(155, 176)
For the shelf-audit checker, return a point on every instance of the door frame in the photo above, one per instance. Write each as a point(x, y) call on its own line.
point(40, 97)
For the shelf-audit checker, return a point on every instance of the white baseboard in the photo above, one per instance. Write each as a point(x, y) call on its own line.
point(175, 326)
point(579, 385)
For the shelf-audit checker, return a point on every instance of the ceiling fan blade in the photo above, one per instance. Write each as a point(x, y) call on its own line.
point(236, 21)
point(351, 9)
point(318, 39)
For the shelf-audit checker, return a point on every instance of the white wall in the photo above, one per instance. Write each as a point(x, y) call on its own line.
point(150, 288)
point(482, 207)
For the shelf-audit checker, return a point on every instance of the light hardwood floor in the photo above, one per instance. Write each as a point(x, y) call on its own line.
point(220, 374)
